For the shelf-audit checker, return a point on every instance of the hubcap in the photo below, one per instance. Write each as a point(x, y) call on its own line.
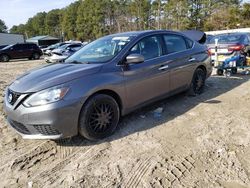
point(101, 117)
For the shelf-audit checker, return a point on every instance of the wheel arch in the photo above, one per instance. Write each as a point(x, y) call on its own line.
point(110, 93)
point(203, 67)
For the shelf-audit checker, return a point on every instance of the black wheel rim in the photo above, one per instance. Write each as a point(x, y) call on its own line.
point(101, 117)
point(199, 82)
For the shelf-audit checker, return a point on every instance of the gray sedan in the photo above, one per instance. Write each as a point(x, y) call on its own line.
point(106, 79)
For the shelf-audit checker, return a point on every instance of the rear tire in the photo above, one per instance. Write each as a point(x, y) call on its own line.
point(198, 82)
point(219, 72)
point(234, 70)
point(35, 56)
point(99, 117)
point(4, 58)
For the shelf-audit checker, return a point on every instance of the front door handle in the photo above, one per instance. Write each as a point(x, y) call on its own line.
point(164, 67)
point(192, 59)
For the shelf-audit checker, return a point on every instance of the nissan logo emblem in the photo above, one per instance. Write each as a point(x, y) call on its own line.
point(10, 97)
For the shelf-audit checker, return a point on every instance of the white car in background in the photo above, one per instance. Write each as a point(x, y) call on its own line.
point(59, 55)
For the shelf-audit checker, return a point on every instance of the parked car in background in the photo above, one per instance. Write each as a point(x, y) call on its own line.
point(108, 78)
point(19, 51)
point(67, 46)
point(208, 38)
point(60, 57)
point(47, 50)
point(229, 45)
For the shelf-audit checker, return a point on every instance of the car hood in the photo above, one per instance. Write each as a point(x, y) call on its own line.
point(51, 75)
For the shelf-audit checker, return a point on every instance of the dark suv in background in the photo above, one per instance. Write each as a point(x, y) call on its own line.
point(19, 51)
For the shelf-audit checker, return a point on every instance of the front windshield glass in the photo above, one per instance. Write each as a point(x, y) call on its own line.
point(101, 50)
point(225, 39)
point(7, 47)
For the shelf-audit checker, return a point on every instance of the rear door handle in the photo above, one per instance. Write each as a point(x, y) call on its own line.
point(192, 59)
point(163, 67)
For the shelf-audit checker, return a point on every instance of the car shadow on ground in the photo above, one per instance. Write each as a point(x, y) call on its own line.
point(144, 119)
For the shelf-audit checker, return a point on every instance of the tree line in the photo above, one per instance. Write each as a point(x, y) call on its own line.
point(87, 19)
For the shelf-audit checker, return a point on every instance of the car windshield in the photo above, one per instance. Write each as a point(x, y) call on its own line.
point(100, 50)
point(7, 47)
point(227, 38)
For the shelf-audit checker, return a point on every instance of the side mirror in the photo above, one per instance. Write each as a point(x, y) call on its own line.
point(134, 59)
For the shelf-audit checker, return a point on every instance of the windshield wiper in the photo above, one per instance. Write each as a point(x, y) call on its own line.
point(78, 62)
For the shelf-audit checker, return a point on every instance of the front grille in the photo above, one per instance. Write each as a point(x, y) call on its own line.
point(19, 127)
point(14, 97)
point(46, 130)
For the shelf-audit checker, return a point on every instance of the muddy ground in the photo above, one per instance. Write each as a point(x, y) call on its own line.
point(201, 141)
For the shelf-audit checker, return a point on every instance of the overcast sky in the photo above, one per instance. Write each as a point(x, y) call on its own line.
point(15, 12)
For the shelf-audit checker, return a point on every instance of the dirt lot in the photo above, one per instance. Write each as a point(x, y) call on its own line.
point(201, 141)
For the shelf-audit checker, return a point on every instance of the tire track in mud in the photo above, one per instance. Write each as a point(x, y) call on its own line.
point(38, 154)
point(138, 172)
point(169, 172)
point(54, 173)
point(164, 172)
point(18, 158)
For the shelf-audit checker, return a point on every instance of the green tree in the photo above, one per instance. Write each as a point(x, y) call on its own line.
point(53, 22)
point(69, 20)
point(19, 29)
point(3, 27)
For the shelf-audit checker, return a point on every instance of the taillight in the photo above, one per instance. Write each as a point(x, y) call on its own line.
point(235, 48)
point(209, 51)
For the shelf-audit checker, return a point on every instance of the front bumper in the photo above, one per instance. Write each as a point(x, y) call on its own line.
point(52, 121)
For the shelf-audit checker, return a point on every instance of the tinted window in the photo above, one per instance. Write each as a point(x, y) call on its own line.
point(33, 46)
point(75, 45)
point(190, 43)
point(175, 43)
point(226, 38)
point(26, 46)
point(149, 47)
point(17, 47)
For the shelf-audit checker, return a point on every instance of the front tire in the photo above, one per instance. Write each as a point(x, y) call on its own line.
point(198, 82)
point(99, 117)
point(4, 58)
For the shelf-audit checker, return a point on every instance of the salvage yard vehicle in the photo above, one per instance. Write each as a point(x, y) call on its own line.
point(229, 47)
point(106, 79)
point(47, 51)
point(60, 57)
point(19, 51)
point(67, 46)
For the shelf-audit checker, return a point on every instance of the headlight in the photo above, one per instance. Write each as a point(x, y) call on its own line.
point(46, 96)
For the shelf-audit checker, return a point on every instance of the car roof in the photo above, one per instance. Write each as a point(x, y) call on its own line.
point(238, 33)
point(137, 33)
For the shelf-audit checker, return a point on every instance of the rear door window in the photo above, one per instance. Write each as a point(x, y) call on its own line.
point(175, 43)
point(149, 47)
point(17, 47)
